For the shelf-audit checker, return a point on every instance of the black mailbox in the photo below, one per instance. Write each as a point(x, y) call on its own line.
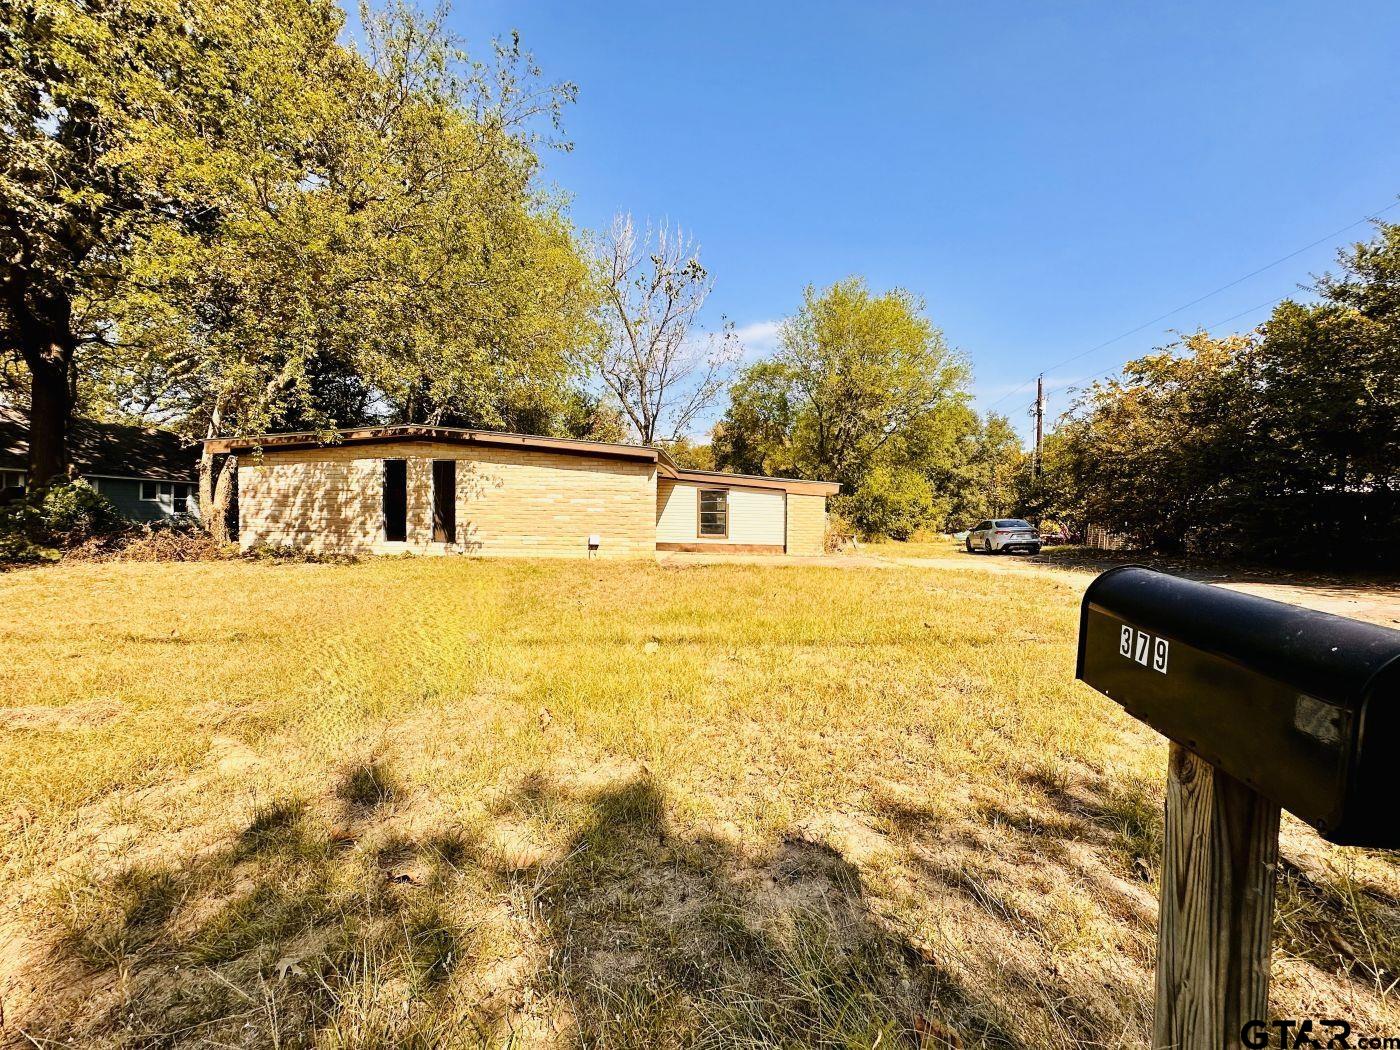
point(1302, 706)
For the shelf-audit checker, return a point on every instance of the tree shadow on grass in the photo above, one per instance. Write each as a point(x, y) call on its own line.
point(1065, 924)
point(1337, 921)
point(660, 940)
point(1103, 836)
point(288, 933)
point(302, 929)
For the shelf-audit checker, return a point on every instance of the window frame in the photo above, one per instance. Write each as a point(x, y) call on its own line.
point(700, 495)
point(155, 487)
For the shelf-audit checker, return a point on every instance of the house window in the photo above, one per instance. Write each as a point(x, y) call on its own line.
point(173, 496)
point(395, 500)
point(714, 513)
point(11, 485)
point(445, 500)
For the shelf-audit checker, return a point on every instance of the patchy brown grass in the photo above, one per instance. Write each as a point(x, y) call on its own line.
point(462, 803)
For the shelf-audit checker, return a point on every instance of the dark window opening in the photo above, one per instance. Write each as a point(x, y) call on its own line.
point(445, 500)
point(11, 486)
point(173, 496)
point(395, 499)
point(714, 513)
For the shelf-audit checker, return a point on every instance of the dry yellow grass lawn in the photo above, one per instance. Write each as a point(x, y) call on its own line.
point(461, 803)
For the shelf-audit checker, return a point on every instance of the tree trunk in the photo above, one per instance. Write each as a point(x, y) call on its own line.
point(50, 409)
point(217, 522)
point(46, 343)
point(206, 487)
point(206, 468)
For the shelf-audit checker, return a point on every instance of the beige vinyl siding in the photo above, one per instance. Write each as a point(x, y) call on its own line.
point(806, 524)
point(756, 516)
point(509, 501)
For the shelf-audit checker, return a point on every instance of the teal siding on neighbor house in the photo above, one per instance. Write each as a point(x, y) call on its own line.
point(125, 495)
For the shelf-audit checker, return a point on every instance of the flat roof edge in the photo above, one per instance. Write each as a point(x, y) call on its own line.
point(801, 486)
point(423, 432)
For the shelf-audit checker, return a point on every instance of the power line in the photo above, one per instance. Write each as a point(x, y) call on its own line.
point(1115, 368)
point(1200, 299)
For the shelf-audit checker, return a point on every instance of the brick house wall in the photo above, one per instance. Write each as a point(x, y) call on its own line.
point(509, 501)
point(806, 524)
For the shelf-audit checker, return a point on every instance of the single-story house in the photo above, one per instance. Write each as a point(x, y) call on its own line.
point(438, 490)
point(146, 473)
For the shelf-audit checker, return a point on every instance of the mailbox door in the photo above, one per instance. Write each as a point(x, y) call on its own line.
point(1289, 746)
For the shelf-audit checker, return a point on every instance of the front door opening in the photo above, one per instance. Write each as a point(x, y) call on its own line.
point(395, 500)
point(445, 500)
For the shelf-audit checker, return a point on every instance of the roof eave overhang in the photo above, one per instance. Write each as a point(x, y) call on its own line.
point(415, 432)
point(797, 486)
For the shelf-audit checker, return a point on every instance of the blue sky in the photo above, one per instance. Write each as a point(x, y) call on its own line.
point(1046, 175)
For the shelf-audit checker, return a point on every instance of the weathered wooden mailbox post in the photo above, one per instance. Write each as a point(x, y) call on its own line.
point(1267, 706)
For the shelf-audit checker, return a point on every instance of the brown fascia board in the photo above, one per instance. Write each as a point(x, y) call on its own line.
point(796, 486)
point(417, 432)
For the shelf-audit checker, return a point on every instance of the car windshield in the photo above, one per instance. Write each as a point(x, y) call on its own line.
point(1013, 523)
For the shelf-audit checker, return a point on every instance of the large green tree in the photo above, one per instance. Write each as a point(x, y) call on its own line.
point(1283, 443)
point(406, 270)
point(368, 244)
point(120, 118)
point(863, 390)
point(220, 217)
point(1158, 451)
point(989, 477)
point(1325, 455)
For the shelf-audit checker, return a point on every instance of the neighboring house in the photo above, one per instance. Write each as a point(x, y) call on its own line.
point(147, 474)
point(438, 490)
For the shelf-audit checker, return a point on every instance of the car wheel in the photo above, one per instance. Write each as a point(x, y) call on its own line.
point(987, 546)
point(968, 541)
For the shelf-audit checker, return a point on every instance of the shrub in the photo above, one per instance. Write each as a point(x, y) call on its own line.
point(299, 555)
point(839, 533)
point(17, 549)
point(61, 517)
point(891, 501)
point(72, 512)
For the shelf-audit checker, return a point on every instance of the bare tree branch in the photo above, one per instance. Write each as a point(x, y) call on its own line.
point(655, 361)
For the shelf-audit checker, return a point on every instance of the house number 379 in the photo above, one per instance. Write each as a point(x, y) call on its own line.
point(1143, 648)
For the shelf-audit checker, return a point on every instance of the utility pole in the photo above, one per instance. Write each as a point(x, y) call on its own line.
point(1039, 422)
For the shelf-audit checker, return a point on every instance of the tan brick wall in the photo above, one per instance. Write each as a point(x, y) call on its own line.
point(806, 524)
point(509, 501)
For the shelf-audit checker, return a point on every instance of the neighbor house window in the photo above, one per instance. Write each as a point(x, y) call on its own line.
point(173, 496)
point(445, 500)
point(395, 499)
point(11, 485)
point(714, 513)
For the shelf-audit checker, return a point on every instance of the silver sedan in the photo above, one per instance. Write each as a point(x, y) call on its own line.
point(1003, 534)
